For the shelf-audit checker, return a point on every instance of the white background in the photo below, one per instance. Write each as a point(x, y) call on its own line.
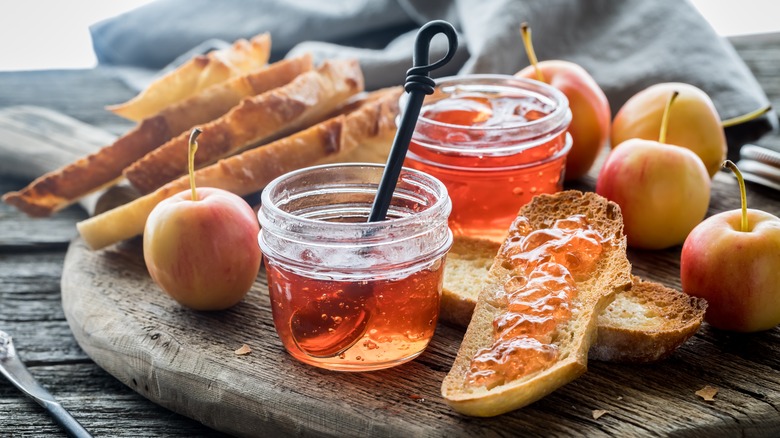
point(42, 34)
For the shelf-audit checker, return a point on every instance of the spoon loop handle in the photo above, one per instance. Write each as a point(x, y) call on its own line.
point(418, 84)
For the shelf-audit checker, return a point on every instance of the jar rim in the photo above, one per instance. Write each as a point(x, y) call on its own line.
point(530, 86)
point(366, 232)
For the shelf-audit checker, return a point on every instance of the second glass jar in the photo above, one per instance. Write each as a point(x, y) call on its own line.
point(495, 141)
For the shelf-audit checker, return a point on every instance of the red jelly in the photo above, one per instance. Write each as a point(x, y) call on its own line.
point(495, 142)
point(347, 294)
point(546, 265)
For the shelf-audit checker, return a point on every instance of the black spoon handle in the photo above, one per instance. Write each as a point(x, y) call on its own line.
point(418, 84)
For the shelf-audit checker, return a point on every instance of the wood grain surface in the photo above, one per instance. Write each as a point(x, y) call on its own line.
point(185, 361)
point(640, 401)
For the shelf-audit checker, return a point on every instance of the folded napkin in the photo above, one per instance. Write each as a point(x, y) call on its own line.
point(626, 45)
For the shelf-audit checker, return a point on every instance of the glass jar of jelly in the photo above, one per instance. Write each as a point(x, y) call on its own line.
point(495, 141)
point(347, 294)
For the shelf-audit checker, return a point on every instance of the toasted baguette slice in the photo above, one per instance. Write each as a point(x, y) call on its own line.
point(571, 337)
point(62, 187)
point(371, 125)
point(646, 323)
point(465, 273)
point(643, 324)
point(195, 75)
point(218, 99)
point(256, 120)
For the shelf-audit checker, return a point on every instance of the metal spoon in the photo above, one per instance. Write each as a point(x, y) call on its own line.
point(15, 371)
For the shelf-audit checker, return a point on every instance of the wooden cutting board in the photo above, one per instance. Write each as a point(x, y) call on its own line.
point(185, 360)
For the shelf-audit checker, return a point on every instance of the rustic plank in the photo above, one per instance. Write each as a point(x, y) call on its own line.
point(81, 94)
point(761, 53)
point(21, 233)
point(184, 360)
point(96, 399)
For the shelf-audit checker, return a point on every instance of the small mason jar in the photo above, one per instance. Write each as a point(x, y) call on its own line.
point(495, 141)
point(347, 294)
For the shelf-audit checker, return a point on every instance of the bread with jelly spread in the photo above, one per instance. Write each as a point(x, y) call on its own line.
point(644, 323)
point(560, 266)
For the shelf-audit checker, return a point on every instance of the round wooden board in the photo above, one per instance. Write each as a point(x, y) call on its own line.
point(185, 361)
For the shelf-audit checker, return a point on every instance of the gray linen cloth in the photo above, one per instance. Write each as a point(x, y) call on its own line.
point(626, 45)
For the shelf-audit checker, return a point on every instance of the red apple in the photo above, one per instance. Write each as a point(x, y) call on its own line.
point(732, 260)
point(663, 190)
point(200, 246)
point(693, 122)
point(590, 111)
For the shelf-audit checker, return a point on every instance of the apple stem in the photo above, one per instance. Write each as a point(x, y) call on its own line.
point(525, 34)
point(665, 117)
point(193, 147)
point(742, 193)
point(746, 117)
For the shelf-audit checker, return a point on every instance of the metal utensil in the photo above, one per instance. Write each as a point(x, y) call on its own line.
point(760, 165)
point(15, 371)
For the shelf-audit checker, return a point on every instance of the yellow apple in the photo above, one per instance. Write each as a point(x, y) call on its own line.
point(663, 190)
point(693, 122)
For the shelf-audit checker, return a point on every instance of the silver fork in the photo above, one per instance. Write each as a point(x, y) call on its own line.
point(15, 371)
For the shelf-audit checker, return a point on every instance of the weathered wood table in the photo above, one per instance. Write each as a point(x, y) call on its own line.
point(745, 369)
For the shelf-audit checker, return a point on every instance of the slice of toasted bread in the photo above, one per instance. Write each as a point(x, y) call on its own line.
point(567, 344)
point(465, 273)
point(195, 75)
point(308, 99)
point(644, 323)
point(371, 125)
point(64, 186)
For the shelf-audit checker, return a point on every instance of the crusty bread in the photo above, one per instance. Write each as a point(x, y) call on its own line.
point(195, 75)
point(62, 187)
point(371, 125)
point(465, 272)
point(646, 323)
point(571, 337)
point(218, 99)
point(308, 99)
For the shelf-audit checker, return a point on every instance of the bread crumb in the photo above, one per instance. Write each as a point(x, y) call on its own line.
point(707, 393)
point(244, 350)
point(598, 413)
point(417, 398)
